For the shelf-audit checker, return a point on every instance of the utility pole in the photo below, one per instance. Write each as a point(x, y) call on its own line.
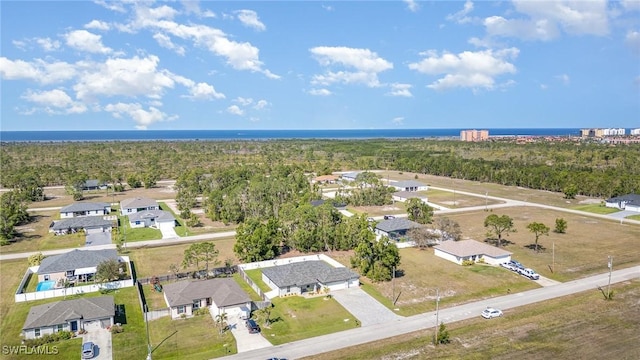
point(146, 320)
point(486, 201)
point(393, 286)
point(437, 310)
point(610, 264)
point(553, 257)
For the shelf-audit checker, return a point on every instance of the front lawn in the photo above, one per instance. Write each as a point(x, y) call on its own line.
point(633, 217)
point(137, 234)
point(296, 318)
point(132, 342)
point(596, 209)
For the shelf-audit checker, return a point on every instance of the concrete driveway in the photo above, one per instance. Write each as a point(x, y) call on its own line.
point(365, 308)
point(95, 239)
point(168, 232)
point(244, 340)
point(101, 338)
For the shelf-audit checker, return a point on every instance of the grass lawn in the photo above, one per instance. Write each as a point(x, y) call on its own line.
point(633, 217)
point(192, 338)
point(156, 261)
point(35, 236)
point(132, 342)
point(181, 229)
point(596, 209)
point(32, 283)
point(246, 288)
point(563, 328)
point(137, 234)
point(256, 276)
point(295, 318)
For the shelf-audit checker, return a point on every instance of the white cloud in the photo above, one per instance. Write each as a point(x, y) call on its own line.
point(543, 87)
point(142, 117)
point(243, 101)
point(412, 5)
point(112, 5)
point(633, 41)
point(461, 17)
point(249, 18)
point(543, 19)
point(398, 120)
point(55, 102)
point(193, 7)
point(85, 41)
point(261, 104)
point(47, 44)
point(327, 7)
point(564, 79)
point(204, 91)
point(631, 5)
point(366, 63)
point(475, 70)
point(38, 70)
point(165, 41)
point(320, 92)
point(97, 25)
point(398, 89)
point(235, 110)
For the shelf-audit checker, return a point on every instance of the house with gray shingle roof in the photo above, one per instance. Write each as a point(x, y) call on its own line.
point(409, 185)
point(629, 202)
point(85, 209)
point(93, 184)
point(459, 251)
point(74, 266)
point(308, 276)
point(152, 218)
point(88, 224)
point(395, 229)
point(133, 205)
point(222, 295)
point(68, 315)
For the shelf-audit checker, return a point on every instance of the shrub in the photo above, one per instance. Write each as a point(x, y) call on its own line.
point(116, 329)
point(468, 262)
point(201, 311)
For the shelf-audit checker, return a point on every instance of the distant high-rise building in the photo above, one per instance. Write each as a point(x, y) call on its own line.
point(614, 132)
point(602, 132)
point(474, 135)
point(635, 131)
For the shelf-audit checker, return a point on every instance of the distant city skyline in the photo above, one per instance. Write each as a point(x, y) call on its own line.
point(106, 65)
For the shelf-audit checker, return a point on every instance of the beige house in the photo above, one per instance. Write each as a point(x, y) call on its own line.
point(219, 295)
point(463, 250)
point(75, 266)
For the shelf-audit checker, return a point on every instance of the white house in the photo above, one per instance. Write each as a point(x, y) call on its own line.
point(85, 209)
point(630, 202)
point(74, 266)
point(308, 276)
point(409, 185)
point(152, 218)
point(133, 205)
point(88, 224)
point(395, 229)
point(68, 315)
point(220, 295)
point(403, 196)
point(459, 251)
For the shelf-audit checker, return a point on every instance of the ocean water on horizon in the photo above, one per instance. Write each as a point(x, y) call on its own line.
point(149, 135)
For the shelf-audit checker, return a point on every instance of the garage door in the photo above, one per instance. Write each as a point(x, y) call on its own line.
point(93, 230)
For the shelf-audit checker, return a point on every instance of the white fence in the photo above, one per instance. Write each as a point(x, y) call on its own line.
point(270, 263)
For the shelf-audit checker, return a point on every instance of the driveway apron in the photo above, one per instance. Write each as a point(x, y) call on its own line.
point(365, 308)
point(101, 338)
point(244, 340)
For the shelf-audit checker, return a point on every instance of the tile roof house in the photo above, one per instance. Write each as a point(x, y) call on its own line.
point(409, 185)
point(630, 202)
point(133, 205)
point(75, 266)
point(85, 209)
point(308, 276)
point(459, 251)
point(88, 224)
point(68, 315)
point(152, 218)
point(395, 229)
point(221, 295)
point(325, 179)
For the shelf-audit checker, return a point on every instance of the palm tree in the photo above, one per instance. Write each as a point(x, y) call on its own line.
point(220, 320)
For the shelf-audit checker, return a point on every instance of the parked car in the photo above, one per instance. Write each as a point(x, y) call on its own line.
point(370, 219)
point(252, 326)
point(490, 313)
point(87, 350)
point(509, 266)
point(529, 273)
point(516, 265)
point(389, 217)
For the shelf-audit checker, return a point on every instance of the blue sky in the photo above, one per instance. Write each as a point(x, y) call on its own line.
point(90, 65)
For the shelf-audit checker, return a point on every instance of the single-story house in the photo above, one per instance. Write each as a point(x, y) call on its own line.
point(133, 205)
point(85, 209)
point(630, 202)
point(68, 315)
point(306, 276)
point(459, 251)
point(395, 229)
point(403, 196)
point(221, 295)
point(88, 224)
point(93, 185)
point(325, 179)
point(152, 218)
point(350, 176)
point(409, 185)
point(74, 266)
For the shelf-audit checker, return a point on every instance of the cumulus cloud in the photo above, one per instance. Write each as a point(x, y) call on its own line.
point(398, 89)
point(165, 41)
point(204, 91)
point(366, 63)
point(633, 41)
point(475, 70)
point(39, 70)
point(320, 92)
point(261, 104)
point(564, 79)
point(461, 17)
point(412, 5)
point(243, 101)
point(85, 41)
point(55, 102)
point(543, 20)
point(142, 117)
point(47, 44)
point(97, 25)
point(398, 120)
point(249, 18)
point(235, 110)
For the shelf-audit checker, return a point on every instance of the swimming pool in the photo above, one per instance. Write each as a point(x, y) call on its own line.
point(46, 285)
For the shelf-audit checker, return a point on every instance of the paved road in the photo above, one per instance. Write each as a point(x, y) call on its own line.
point(344, 339)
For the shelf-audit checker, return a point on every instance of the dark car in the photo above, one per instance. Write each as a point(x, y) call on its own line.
point(252, 326)
point(389, 217)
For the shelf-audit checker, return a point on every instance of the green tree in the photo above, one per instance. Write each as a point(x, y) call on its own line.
point(134, 181)
point(376, 259)
point(561, 226)
point(220, 320)
point(538, 229)
point(423, 236)
point(108, 270)
point(198, 253)
point(35, 259)
point(419, 212)
point(499, 225)
point(13, 212)
point(256, 241)
point(443, 335)
point(570, 191)
point(75, 185)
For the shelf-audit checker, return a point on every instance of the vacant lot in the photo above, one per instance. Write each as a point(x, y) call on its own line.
point(36, 235)
point(58, 196)
point(453, 200)
point(580, 326)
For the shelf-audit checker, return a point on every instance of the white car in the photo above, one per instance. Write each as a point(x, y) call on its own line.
point(490, 313)
point(529, 273)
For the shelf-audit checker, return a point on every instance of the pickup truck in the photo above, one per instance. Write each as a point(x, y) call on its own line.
point(529, 273)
